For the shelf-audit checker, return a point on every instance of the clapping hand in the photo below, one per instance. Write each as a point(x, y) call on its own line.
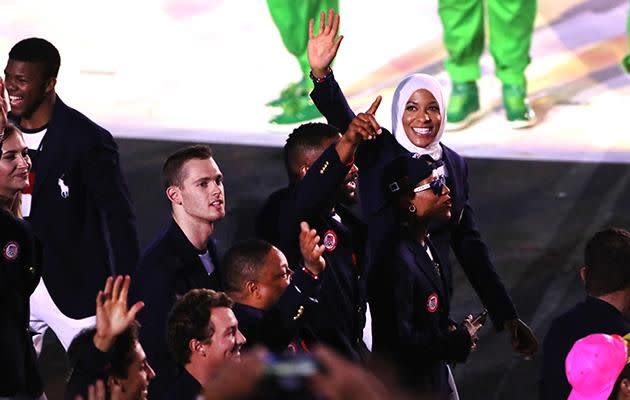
point(311, 250)
point(97, 392)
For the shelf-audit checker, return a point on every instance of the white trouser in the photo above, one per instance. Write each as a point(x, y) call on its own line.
point(45, 314)
point(24, 397)
point(367, 329)
point(451, 384)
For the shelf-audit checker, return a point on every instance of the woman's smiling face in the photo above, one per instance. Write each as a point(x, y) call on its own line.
point(421, 118)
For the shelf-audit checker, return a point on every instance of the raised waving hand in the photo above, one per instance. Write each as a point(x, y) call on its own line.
point(113, 315)
point(322, 48)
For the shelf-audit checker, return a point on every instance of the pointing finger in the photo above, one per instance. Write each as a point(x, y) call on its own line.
point(374, 106)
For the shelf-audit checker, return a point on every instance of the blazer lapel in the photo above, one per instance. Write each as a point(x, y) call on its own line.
point(452, 170)
point(49, 159)
point(425, 265)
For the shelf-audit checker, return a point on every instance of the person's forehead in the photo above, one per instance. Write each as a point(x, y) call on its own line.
point(137, 352)
point(222, 318)
point(422, 94)
point(14, 142)
point(194, 168)
point(274, 261)
point(24, 67)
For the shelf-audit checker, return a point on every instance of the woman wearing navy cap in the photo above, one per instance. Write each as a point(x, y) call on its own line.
point(415, 331)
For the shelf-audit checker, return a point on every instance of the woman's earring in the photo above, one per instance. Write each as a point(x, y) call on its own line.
point(412, 209)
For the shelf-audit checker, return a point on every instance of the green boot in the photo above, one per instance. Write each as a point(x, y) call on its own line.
point(463, 105)
point(626, 63)
point(295, 90)
point(517, 110)
point(297, 110)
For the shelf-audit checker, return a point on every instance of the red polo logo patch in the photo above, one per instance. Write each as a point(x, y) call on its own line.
point(433, 302)
point(330, 240)
point(11, 251)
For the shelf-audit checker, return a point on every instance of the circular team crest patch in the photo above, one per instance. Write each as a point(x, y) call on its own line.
point(330, 240)
point(11, 251)
point(432, 302)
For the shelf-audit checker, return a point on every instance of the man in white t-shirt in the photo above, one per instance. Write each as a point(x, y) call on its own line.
point(78, 204)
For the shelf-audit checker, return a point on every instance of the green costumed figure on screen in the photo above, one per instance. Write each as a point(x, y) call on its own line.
point(292, 17)
point(510, 26)
point(626, 60)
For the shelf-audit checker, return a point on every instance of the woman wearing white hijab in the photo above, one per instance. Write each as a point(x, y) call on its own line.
point(460, 232)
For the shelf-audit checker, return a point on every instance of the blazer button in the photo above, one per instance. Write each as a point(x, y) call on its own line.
point(299, 313)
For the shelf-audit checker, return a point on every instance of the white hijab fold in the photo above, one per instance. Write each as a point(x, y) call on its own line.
point(404, 90)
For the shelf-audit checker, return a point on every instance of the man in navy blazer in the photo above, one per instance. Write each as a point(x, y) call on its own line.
point(606, 308)
point(79, 206)
point(320, 164)
point(270, 297)
point(183, 257)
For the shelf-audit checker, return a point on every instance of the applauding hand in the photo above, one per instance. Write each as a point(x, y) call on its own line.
point(311, 249)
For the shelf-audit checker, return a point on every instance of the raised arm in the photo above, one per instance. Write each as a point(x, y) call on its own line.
point(323, 178)
point(322, 49)
point(281, 324)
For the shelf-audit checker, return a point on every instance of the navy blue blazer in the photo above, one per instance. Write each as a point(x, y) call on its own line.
point(338, 318)
point(184, 387)
point(412, 309)
point(460, 233)
point(19, 275)
point(585, 318)
point(89, 232)
point(167, 270)
point(87, 365)
point(280, 326)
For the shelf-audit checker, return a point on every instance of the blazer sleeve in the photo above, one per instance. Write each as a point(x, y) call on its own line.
point(429, 342)
point(154, 285)
point(281, 324)
point(331, 102)
point(473, 255)
point(372, 155)
point(310, 198)
point(102, 175)
point(91, 365)
point(553, 382)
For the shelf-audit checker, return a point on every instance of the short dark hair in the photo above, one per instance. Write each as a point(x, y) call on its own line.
point(242, 262)
point(37, 50)
point(120, 354)
point(304, 138)
point(190, 319)
point(172, 169)
point(607, 262)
